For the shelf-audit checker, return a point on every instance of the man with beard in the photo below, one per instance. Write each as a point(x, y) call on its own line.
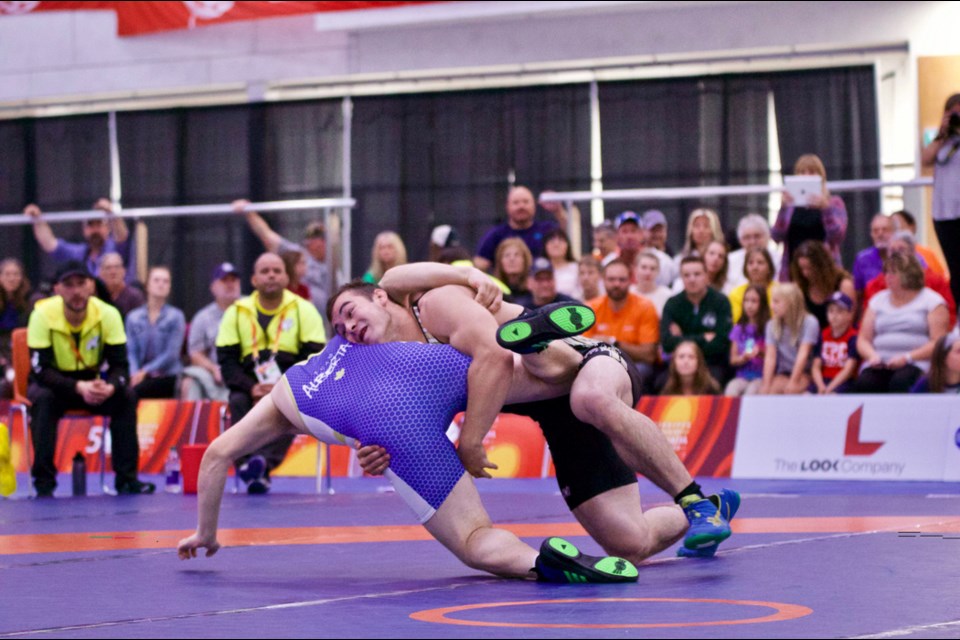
point(78, 356)
point(101, 236)
point(626, 320)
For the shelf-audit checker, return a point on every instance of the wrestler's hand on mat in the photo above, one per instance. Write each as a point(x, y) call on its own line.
point(188, 546)
point(474, 459)
point(488, 294)
point(373, 458)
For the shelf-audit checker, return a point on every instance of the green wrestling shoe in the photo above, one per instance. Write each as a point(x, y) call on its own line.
point(727, 503)
point(533, 330)
point(561, 561)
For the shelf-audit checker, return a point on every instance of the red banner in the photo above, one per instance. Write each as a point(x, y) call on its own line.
point(702, 429)
point(137, 18)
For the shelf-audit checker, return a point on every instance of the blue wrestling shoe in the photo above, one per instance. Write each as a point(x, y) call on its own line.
point(533, 330)
point(561, 561)
point(727, 503)
point(254, 473)
point(707, 526)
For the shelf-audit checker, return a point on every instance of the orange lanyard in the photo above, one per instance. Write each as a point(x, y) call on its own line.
point(76, 352)
point(276, 340)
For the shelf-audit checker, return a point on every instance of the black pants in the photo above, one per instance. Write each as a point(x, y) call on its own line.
point(948, 233)
point(49, 406)
point(273, 453)
point(159, 387)
point(880, 380)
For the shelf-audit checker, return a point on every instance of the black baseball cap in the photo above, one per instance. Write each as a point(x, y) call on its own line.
point(71, 268)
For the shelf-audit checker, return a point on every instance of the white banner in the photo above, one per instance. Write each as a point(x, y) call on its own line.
point(952, 445)
point(849, 437)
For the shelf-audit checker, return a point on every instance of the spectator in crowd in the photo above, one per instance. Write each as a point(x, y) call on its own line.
point(443, 237)
point(824, 219)
point(521, 211)
point(388, 251)
point(703, 227)
point(758, 270)
point(103, 235)
point(648, 272)
point(835, 358)
point(905, 221)
point(459, 257)
point(556, 247)
point(202, 379)
point(903, 242)
point(688, 374)
point(790, 337)
point(543, 286)
point(295, 264)
point(626, 320)
point(631, 240)
point(155, 335)
point(942, 154)
point(79, 355)
point(818, 276)
point(715, 260)
point(944, 373)
point(753, 232)
point(513, 262)
point(655, 225)
point(869, 262)
point(589, 279)
point(747, 342)
point(604, 242)
point(899, 329)
point(700, 314)
point(260, 337)
point(113, 274)
point(14, 311)
point(317, 278)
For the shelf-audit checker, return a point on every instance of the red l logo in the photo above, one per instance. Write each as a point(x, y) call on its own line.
point(853, 446)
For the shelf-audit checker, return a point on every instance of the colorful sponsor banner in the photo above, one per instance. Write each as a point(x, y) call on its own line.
point(702, 429)
point(137, 18)
point(847, 437)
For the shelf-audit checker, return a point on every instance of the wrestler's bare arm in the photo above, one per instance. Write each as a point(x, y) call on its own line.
point(405, 280)
point(262, 425)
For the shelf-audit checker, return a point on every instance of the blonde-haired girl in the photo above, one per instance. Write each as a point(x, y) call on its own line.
point(388, 251)
point(790, 337)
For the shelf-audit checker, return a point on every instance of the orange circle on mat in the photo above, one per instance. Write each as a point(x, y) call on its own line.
point(781, 613)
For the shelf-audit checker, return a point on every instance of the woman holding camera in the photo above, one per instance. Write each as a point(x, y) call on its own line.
point(943, 154)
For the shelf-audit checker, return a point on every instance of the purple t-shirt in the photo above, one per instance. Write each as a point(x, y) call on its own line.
point(80, 251)
point(532, 237)
point(746, 338)
point(866, 267)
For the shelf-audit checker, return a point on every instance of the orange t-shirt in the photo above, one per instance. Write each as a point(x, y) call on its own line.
point(636, 322)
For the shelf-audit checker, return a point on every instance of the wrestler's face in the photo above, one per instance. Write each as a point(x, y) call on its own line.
point(360, 320)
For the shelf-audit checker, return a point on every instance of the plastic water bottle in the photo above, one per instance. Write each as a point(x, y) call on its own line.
point(79, 473)
point(172, 471)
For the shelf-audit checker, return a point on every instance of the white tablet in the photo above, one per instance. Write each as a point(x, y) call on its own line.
point(802, 187)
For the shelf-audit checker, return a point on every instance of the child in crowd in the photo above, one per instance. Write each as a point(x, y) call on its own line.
point(747, 343)
point(835, 358)
point(790, 337)
point(944, 374)
point(689, 375)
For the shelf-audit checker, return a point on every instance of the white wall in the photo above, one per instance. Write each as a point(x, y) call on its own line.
point(46, 55)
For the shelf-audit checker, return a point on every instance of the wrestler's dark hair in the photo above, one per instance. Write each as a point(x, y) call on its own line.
point(357, 286)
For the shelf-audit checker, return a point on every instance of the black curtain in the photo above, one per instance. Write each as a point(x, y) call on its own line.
point(449, 158)
point(216, 155)
point(58, 163)
point(833, 114)
point(684, 132)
